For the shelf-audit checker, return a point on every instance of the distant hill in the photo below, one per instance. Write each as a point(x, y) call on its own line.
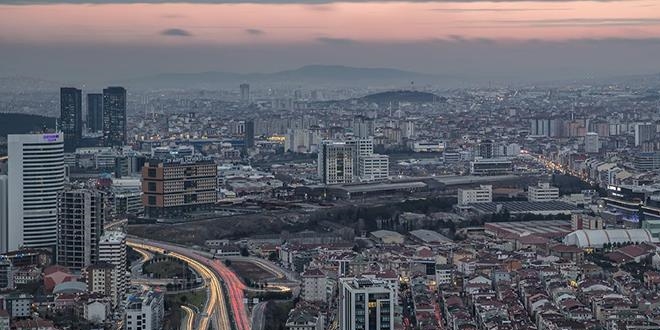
point(321, 75)
point(16, 123)
point(402, 96)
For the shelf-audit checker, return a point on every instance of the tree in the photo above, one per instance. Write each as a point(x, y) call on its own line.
point(273, 256)
point(227, 262)
point(244, 251)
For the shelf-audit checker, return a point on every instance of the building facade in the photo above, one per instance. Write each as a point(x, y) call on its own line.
point(81, 214)
point(175, 186)
point(114, 116)
point(145, 311)
point(95, 112)
point(543, 192)
point(373, 168)
point(36, 176)
point(365, 304)
point(335, 162)
point(112, 250)
point(482, 194)
point(71, 117)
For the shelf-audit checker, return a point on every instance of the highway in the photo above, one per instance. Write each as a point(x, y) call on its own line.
point(215, 312)
point(258, 316)
point(236, 294)
point(188, 320)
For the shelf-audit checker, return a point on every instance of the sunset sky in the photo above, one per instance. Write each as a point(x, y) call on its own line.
point(495, 40)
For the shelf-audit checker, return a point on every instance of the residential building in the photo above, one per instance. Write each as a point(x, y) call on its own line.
point(245, 93)
point(6, 274)
point(482, 194)
point(365, 304)
point(112, 249)
point(591, 143)
point(19, 305)
point(144, 311)
point(81, 215)
point(101, 279)
point(644, 132)
point(36, 176)
point(4, 213)
point(304, 319)
point(177, 186)
point(314, 285)
point(543, 192)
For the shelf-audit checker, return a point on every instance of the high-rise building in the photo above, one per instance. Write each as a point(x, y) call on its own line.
point(145, 311)
point(71, 117)
point(363, 127)
point(249, 134)
point(114, 116)
point(95, 112)
point(365, 304)
point(179, 185)
point(335, 162)
point(112, 250)
point(591, 143)
point(644, 132)
point(81, 214)
point(4, 210)
point(245, 93)
point(36, 176)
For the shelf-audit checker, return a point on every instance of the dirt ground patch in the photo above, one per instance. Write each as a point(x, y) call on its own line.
point(250, 271)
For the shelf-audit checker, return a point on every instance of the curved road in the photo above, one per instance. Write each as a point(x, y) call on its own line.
point(215, 311)
point(188, 320)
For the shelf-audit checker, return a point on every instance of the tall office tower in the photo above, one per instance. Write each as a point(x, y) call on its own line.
point(112, 249)
point(176, 186)
point(539, 127)
point(94, 112)
point(36, 176)
point(486, 149)
point(591, 143)
point(71, 117)
point(245, 93)
point(114, 116)
point(365, 304)
point(81, 214)
point(4, 209)
point(249, 134)
point(335, 162)
point(644, 132)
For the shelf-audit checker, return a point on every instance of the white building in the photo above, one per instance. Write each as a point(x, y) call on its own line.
point(423, 146)
point(96, 310)
point(363, 146)
point(335, 162)
point(591, 143)
point(144, 311)
point(363, 302)
point(302, 140)
point(4, 209)
point(493, 166)
point(112, 249)
point(314, 285)
point(444, 274)
point(543, 192)
point(81, 214)
point(19, 305)
point(36, 176)
point(373, 167)
point(483, 194)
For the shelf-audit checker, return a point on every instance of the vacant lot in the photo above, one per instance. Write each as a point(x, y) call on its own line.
point(166, 269)
point(250, 272)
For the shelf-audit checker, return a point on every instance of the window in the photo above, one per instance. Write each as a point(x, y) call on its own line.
point(152, 200)
point(151, 172)
point(151, 186)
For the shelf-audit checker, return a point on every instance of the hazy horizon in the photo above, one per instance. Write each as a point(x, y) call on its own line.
point(470, 39)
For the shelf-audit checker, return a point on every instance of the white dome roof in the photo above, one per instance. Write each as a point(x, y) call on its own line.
point(597, 238)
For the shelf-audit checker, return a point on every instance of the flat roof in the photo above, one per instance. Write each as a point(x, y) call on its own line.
point(542, 228)
point(525, 206)
point(472, 179)
point(381, 186)
point(429, 236)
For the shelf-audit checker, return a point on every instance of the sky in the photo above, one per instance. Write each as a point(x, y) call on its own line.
point(496, 40)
